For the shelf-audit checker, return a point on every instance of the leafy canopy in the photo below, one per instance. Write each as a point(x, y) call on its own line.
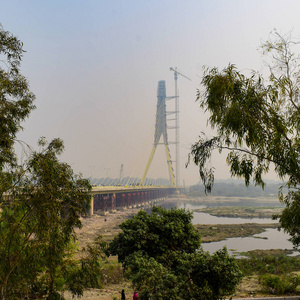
point(156, 234)
point(16, 99)
point(41, 202)
point(37, 224)
point(257, 121)
point(162, 257)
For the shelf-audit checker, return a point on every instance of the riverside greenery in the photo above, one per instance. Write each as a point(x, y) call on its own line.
point(162, 256)
point(257, 123)
point(41, 201)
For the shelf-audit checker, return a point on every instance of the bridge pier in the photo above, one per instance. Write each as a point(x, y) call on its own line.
point(90, 211)
point(112, 202)
point(109, 199)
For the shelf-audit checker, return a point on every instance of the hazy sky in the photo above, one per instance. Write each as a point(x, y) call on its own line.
point(94, 66)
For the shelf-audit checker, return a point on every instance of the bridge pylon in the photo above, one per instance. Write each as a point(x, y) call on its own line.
point(161, 131)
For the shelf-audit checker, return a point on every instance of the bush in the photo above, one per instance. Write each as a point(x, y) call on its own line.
point(280, 285)
point(268, 264)
point(112, 273)
point(161, 254)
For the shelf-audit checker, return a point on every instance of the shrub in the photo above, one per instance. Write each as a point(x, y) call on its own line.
point(280, 284)
point(112, 272)
point(268, 264)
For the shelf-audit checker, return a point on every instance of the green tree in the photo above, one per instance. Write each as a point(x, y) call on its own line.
point(162, 257)
point(16, 99)
point(156, 234)
point(257, 123)
point(151, 278)
point(37, 224)
point(41, 201)
point(89, 273)
point(16, 103)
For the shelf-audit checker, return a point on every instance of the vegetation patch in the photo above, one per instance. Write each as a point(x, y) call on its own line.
point(159, 253)
point(278, 285)
point(241, 212)
point(219, 232)
point(274, 262)
point(268, 272)
point(269, 252)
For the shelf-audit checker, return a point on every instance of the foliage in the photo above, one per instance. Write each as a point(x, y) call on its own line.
point(215, 275)
point(41, 200)
point(268, 264)
point(93, 269)
point(257, 123)
point(37, 223)
point(162, 257)
point(16, 100)
point(88, 274)
point(280, 285)
point(150, 277)
point(158, 234)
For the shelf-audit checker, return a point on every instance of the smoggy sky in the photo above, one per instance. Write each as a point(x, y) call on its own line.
point(94, 66)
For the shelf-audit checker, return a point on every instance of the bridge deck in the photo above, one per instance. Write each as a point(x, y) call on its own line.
point(122, 189)
point(110, 198)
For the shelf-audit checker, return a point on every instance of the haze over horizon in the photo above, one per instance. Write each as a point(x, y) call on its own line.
point(94, 68)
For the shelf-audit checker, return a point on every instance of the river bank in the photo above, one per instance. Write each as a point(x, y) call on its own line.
point(108, 227)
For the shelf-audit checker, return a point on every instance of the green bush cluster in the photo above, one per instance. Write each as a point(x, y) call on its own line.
point(162, 256)
point(267, 264)
point(112, 272)
point(280, 285)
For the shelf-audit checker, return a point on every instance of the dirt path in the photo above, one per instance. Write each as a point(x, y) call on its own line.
point(105, 225)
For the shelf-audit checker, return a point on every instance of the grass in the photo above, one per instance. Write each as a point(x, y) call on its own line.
point(268, 272)
point(260, 262)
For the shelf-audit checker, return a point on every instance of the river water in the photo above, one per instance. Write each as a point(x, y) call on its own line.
point(270, 239)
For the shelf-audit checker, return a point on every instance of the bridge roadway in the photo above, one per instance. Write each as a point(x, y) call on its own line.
point(109, 198)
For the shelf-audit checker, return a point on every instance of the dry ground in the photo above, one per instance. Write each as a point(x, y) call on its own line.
point(108, 227)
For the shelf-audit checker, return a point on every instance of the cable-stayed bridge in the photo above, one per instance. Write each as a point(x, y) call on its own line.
point(128, 193)
point(110, 198)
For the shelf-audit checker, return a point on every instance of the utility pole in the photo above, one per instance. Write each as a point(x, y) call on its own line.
point(177, 142)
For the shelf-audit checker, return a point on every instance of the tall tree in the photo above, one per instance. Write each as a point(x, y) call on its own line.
point(37, 225)
point(16, 99)
point(41, 201)
point(16, 103)
point(257, 122)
